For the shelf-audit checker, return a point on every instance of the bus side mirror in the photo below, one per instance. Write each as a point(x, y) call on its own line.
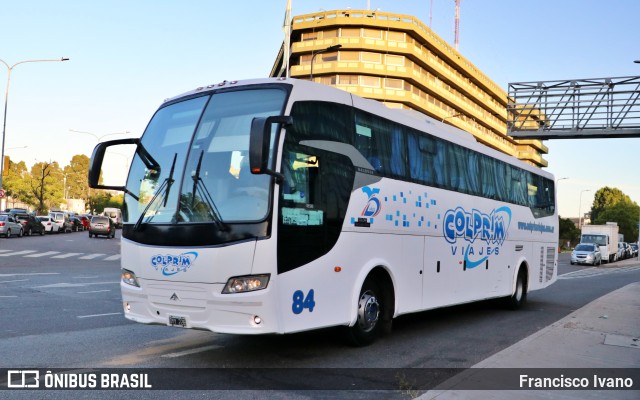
point(97, 158)
point(260, 141)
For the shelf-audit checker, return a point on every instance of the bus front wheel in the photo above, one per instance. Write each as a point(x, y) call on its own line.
point(371, 307)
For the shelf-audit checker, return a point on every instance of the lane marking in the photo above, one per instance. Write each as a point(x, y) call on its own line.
point(48, 253)
point(30, 274)
point(63, 285)
point(95, 291)
point(91, 256)
point(67, 255)
point(17, 280)
point(593, 272)
point(99, 315)
point(192, 351)
point(17, 253)
point(113, 258)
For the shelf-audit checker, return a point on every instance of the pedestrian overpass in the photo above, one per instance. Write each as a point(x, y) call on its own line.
point(574, 109)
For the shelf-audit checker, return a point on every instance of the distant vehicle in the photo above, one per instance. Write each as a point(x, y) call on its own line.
point(115, 214)
point(86, 221)
point(14, 211)
point(621, 252)
point(634, 249)
point(10, 227)
point(626, 250)
point(47, 223)
point(586, 253)
point(61, 219)
point(102, 225)
point(30, 224)
point(76, 224)
point(605, 236)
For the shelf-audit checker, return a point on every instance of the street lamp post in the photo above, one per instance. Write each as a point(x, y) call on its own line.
point(580, 209)
point(6, 101)
point(313, 57)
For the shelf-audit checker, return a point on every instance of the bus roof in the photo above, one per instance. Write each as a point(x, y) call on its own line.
point(306, 90)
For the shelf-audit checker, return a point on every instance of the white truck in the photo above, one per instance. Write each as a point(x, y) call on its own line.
point(116, 215)
point(605, 236)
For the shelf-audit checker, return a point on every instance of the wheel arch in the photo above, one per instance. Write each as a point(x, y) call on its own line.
point(523, 265)
point(382, 274)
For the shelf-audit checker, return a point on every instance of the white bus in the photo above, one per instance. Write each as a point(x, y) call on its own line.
point(281, 205)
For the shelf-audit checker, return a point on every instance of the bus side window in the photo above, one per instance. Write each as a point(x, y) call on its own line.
point(382, 144)
point(440, 164)
point(421, 151)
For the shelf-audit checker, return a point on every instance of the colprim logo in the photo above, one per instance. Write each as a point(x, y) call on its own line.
point(475, 226)
point(171, 264)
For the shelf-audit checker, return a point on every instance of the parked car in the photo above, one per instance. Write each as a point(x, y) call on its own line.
point(624, 251)
point(634, 249)
point(9, 226)
point(30, 224)
point(102, 225)
point(61, 219)
point(586, 253)
point(628, 253)
point(620, 251)
point(14, 211)
point(86, 221)
point(47, 223)
point(76, 224)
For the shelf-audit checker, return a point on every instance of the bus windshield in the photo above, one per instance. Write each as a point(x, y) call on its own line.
point(201, 145)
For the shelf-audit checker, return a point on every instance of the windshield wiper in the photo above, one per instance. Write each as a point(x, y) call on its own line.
point(164, 190)
point(201, 188)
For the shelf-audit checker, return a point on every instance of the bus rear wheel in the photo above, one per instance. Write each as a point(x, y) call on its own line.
point(371, 307)
point(519, 296)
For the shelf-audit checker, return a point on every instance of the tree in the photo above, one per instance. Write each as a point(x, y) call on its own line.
point(16, 182)
point(569, 232)
point(606, 197)
point(77, 186)
point(46, 186)
point(626, 215)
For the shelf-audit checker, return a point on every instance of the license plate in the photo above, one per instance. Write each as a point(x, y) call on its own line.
point(177, 321)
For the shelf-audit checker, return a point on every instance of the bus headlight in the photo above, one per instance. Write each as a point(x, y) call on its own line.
point(249, 283)
point(129, 278)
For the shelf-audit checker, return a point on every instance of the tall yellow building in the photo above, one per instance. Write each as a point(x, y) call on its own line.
point(399, 61)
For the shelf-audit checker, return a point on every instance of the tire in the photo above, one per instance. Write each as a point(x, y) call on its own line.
point(8, 235)
point(89, 235)
point(42, 232)
point(21, 233)
point(29, 232)
point(519, 297)
point(371, 306)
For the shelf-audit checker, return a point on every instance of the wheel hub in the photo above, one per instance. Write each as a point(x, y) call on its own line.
point(368, 311)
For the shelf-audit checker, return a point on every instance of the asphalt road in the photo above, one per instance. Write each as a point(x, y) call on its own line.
point(61, 309)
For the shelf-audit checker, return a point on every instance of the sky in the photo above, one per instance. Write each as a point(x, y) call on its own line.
point(126, 57)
